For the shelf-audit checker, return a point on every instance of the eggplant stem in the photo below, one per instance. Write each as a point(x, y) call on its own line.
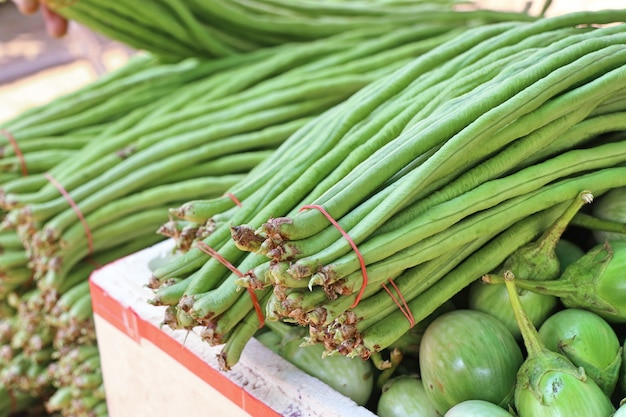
point(395, 358)
point(534, 347)
point(591, 222)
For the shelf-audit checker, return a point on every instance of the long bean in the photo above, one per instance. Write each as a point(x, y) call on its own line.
point(519, 151)
point(83, 98)
point(306, 268)
point(275, 185)
point(222, 119)
point(525, 187)
point(337, 206)
point(486, 259)
point(478, 174)
point(102, 166)
point(173, 29)
point(490, 154)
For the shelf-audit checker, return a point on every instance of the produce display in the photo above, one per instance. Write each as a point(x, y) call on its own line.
point(420, 204)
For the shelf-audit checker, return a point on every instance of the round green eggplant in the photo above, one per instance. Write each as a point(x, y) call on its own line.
point(539, 260)
point(352, 377)
point(494, 300)
point(607, 270)
point(404, 396)
point(477, 408)
point(587, 340)
point(468, 355)
point(551, 386)
point(548, 383)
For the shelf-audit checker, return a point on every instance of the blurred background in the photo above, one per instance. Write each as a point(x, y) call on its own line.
point(34, 67)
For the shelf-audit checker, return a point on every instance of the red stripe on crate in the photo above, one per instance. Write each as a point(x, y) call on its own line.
point(128, 322)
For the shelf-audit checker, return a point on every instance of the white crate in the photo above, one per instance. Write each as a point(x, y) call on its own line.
point(149, 370)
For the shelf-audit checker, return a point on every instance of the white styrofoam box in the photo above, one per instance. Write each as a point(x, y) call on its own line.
point(157, 371)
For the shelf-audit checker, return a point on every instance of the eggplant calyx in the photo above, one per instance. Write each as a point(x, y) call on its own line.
point(538, 260)
point(539, 370)
point(577, 286)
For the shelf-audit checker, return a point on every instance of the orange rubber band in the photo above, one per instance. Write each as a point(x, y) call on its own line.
point(212, 252)
point(74, 206)
point(257, 307)
point(404, 306)
point(93, 263)
point(351, 242)
point(235, 199)
point(17, 150)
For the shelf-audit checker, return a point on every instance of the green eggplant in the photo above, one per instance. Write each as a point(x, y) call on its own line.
point(543, 259)
point(539, 260)
point(548, 383)
point(352, 377)
point(403, 396)
point(567, 253)
point(467, 354)
point(588, 341)
point(479, 408)
point(494, 300)
point(595, 282)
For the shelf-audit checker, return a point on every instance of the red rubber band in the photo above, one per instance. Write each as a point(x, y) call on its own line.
point(17, 151)
point(93, 262)
point(404, 306)
point(351, 242)
point(74, 206)
point(235, 199)
point(212, 252)
point(257, 307)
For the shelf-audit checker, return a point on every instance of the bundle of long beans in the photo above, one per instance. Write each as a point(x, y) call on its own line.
point(45, 320)
point(196, 139)
point(175, 29)
point(433, 175)
point(198, 144)
point(40, 331)
point(40, 138)
point(78, 379)
point(39, 325)
point(48, 138)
